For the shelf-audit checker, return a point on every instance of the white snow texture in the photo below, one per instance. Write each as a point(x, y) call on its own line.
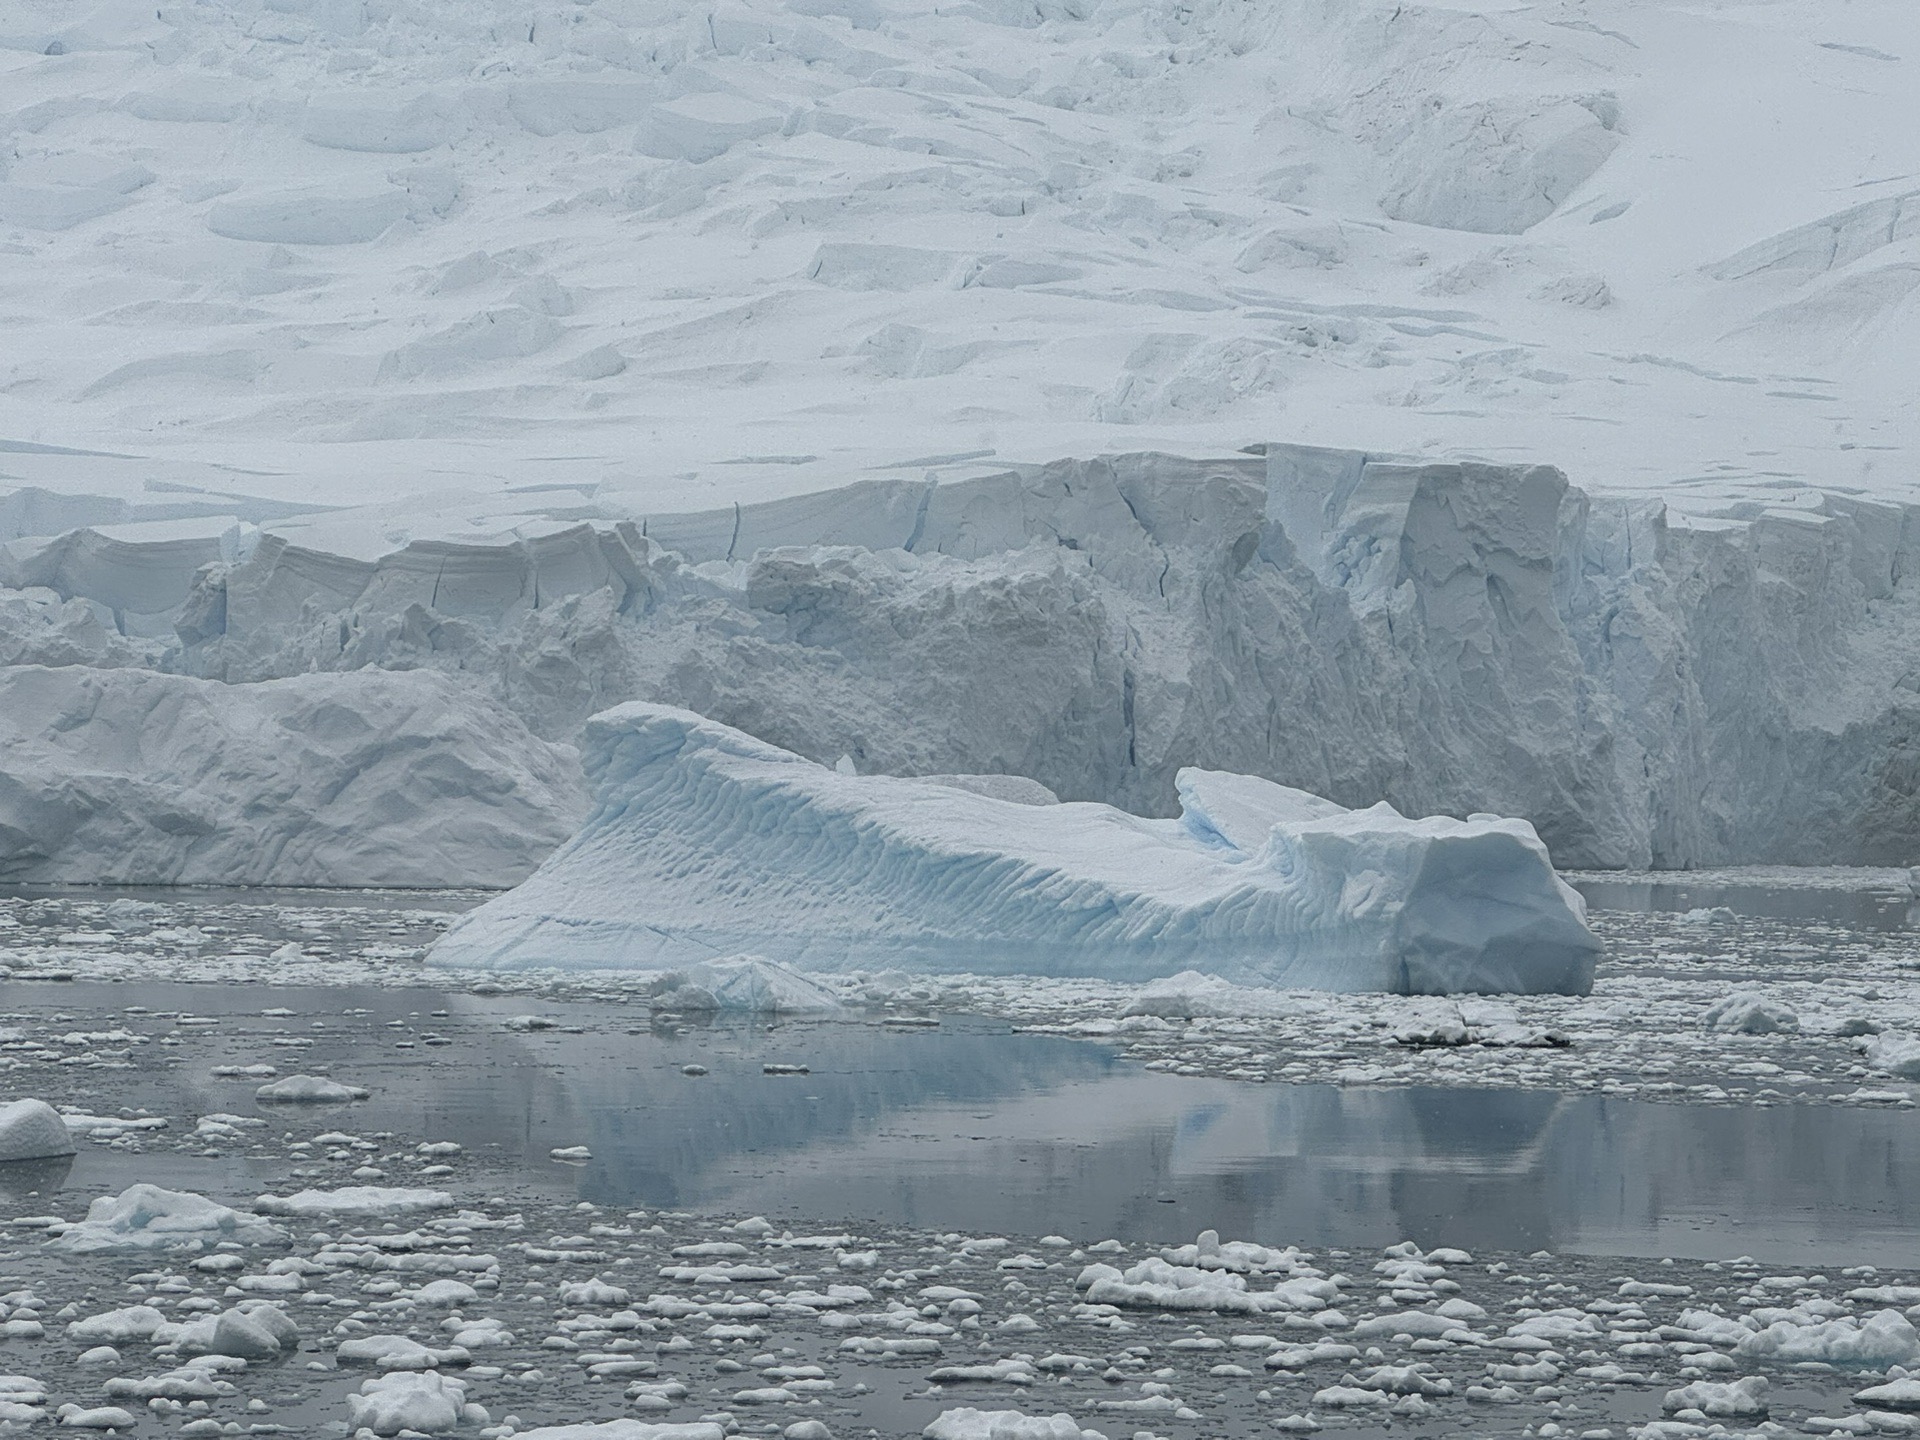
point(703, 838)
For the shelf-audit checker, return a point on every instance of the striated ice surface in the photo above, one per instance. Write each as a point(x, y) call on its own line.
point(377, 778)
point(705, 840)
point(1647, 683)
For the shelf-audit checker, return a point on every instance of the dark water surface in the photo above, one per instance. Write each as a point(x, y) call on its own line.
point(969, 1126)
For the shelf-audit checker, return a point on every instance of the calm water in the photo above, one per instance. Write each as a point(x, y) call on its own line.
point(973, 1127)
point(1859, 909)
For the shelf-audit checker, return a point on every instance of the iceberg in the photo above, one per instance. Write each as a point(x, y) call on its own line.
point(706, 842)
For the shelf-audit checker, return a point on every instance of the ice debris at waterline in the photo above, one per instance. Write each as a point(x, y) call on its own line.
point(705, 841)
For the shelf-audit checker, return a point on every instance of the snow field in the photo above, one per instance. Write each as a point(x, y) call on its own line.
point(313, 248)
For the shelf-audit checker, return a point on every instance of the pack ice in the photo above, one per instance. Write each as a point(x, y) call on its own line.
point(704, 840)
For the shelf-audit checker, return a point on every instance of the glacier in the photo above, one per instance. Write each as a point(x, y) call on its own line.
point(379, 778)
point(705, 841)
point(1649, 683)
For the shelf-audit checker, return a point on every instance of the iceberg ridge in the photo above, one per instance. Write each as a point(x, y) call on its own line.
point(704, 841)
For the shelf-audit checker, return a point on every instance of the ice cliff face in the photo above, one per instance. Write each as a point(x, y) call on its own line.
point(370, 779)
point(1644, 688)
point(704, 840)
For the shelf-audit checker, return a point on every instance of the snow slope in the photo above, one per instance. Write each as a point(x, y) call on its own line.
point(704, 840)
point(325, 251)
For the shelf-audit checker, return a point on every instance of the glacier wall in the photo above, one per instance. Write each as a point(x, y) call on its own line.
point(1644, 687)
point(371, 779)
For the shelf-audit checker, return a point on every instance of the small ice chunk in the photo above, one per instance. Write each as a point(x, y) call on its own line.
point(630, 1430)
point(354, 1200)
point(742, 984)
point(1748, 1012)
point(1742, 1398)
point(147, 1217)
point(1896, 1054)
point(309, 1089)
point(98, 1417)
point(967, 1423)
point(1878, 1340)
point(33, 1130)
point(397, 1352)
point(428, 1403)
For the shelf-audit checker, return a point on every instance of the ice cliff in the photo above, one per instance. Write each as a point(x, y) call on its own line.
point(704, 841)
point(1644, 683)
point(369, 779)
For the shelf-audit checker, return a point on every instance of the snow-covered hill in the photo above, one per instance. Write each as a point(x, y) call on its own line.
point(335, 250)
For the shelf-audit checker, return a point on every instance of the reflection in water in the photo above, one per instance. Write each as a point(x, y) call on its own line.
point(24, 1180)
point(973, 1127)
point(1884, 909)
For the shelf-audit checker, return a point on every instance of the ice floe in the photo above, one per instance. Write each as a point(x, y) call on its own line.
point(33, 1130)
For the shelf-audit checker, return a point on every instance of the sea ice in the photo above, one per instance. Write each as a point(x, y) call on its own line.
point(704, 839)
point(32, 1130)
point(309, 1089)
point(354, 1200)
point(1881, 1339)
point(1748, 1012)
point(967, 1423)
point(746, 984)
point(1895, 1053)
point(147, 1217)
point(625, 1430)
point(429, 1403)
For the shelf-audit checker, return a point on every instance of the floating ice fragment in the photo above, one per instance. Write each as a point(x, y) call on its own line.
point(397, 1352)
point(1744, 1397)
point(1878, 1340)
point(429, 1403)
point(1748, 1012)
point(1902, 1394)
point(354, 1200)
point(146, 1217)
point(705, 839)
point(33, 1130)
point(310, 1089)
point(970, 1424)
point(99, 1417)
point(625, 1430)
point(747, 984)
point(1896, 1054)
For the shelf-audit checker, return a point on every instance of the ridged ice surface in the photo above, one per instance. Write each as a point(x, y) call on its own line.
point(705, 841)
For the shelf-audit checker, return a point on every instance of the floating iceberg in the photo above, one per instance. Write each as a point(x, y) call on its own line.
point(705, 842)
point(33, 1130)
